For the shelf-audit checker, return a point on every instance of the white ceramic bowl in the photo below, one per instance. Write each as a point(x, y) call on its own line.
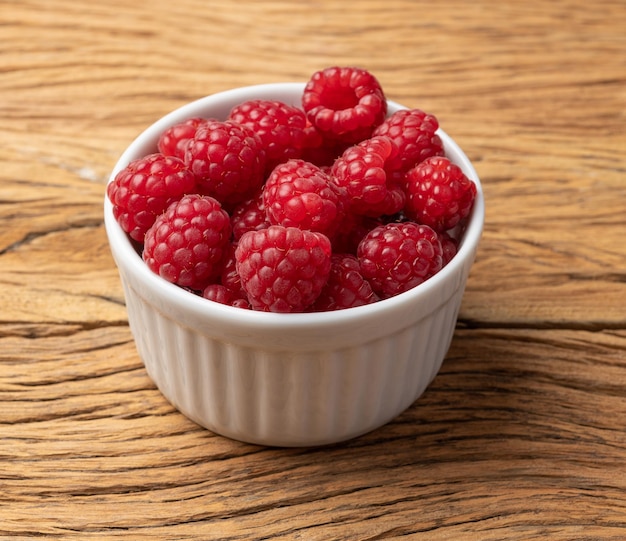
point(288, 379)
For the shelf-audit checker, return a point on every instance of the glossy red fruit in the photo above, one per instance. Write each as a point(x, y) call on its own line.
point(346, 286)
point(399, 256)
point(281, 128)
point(300, 194)
point(188, 242)
point(438, 193)
point(344, 103)
point(144, 188)
point(228, 160)
point(283, 269)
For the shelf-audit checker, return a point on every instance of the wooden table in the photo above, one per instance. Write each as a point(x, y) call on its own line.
point(521, 436)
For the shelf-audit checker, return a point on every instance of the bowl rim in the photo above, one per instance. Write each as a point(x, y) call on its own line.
point(126, 256)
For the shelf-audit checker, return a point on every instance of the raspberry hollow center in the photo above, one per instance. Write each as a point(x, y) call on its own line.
point(339, 99)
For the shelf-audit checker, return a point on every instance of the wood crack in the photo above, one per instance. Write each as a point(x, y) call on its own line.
point(465, 322)
point(33, 236)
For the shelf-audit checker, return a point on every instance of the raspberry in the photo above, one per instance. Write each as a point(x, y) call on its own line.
point(283, 269)
point(352, 231)
point(280, 127)
point(344, 103)
point(223, 295)
point(228, 159)
point(249, 216)
point(413, 132)
point(449, 246)
point(173, 141)
point(361, 171)
point(300, 194)
point(438, 193)
point(187, 243)
point(144, 188)
point(320, 150)
point(230, 277)
point(399, 256)
point(346, 287)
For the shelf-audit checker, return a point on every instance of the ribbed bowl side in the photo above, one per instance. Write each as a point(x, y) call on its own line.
point(282, 398)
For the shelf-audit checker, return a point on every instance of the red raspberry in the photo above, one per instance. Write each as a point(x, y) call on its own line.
point(346, 287)
point(319, 150)
point(223, 295)
point(230, 277)
point(144, 188)
point(280, 127)
point(249, 216)
point(438, 193)
point(173, 141)
point(344, 103)
point(300, 194)
point(352, 231)
point(449, 245)
point(413, 132)
point(187, 243)
point(228, 159)
point(361, 171)
point(283, 269)
point(398, 256)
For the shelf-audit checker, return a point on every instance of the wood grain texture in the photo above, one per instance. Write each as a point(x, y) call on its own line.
point(520, 437)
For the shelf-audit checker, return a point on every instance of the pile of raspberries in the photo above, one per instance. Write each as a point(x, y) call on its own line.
point(327, 206)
